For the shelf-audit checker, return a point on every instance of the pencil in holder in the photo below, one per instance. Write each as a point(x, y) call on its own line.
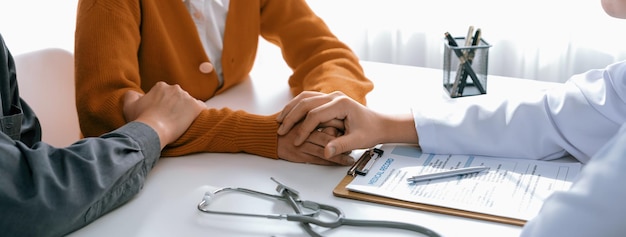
point(465, 68)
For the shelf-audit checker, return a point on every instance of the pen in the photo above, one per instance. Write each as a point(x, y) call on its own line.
point(460, 72)
point(470, 57)
point(448, 173)
point(465, 63)
point(475, 42)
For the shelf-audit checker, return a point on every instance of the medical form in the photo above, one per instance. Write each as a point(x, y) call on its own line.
point(513, 188)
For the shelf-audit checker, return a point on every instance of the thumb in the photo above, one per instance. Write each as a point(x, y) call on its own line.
point(129, 109)
point(339, 145)
point(131, 97)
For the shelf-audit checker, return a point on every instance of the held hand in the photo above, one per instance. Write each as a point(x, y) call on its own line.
point(312, 150)
point(294, 111)
point(363, 127)
point(168, 109)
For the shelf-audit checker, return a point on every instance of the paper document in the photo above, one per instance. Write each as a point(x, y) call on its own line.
point(514, 188)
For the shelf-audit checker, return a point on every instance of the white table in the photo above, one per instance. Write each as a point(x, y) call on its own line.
point(167, 204)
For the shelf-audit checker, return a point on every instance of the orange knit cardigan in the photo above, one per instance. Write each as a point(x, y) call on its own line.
point(125, 45)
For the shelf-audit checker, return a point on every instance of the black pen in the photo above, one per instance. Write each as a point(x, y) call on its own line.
point(465, 63)
point(470, 58)
point(457, 78)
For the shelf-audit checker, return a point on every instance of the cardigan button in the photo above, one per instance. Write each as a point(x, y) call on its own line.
point(206, 67)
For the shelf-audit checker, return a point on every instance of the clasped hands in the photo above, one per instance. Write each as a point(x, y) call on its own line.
point(326, 127)
point(315, 128)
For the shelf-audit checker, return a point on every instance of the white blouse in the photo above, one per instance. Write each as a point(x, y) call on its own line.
point(210, 19)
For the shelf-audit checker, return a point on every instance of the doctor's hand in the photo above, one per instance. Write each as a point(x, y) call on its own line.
point(311, 150)
point(364, 127)
point(168, 109)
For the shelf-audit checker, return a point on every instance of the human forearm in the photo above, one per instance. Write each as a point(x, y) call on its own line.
point(335, 74)
point(225, 130)
point(167, 109)
point(320, 61)
point(104, 74)
point(74, 185)
point(515, 127)
point(397, 128)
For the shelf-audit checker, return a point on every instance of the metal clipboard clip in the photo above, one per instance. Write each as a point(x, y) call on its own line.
point(363, 164)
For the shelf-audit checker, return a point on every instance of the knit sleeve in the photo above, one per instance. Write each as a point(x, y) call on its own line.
point(321, 62)
point(225, 130)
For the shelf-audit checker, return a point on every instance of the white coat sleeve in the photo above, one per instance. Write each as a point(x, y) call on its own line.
point(575, 118)
point(594, 204)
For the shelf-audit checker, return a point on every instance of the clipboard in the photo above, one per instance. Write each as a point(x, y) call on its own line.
point(361, 167)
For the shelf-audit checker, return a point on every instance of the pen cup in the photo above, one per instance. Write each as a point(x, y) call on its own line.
point(465, 68)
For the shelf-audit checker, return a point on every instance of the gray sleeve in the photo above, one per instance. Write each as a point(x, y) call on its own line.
point(48, 191)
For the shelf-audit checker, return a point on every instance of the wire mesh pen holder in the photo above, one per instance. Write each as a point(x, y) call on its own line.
point(465, 68)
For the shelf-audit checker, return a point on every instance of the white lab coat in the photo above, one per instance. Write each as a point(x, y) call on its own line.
point(575, 118)
point(594, 205)
point(584, 117)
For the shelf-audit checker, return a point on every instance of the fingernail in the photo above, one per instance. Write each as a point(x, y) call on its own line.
point(279, 118)
point(280, 129)
point(349, 160)
point(332, 151)
point(299, 140)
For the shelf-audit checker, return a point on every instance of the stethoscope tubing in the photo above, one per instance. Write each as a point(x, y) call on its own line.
point(306, 219)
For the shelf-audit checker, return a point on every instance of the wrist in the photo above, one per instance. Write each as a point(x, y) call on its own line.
point(398, 128)
point(160, 128)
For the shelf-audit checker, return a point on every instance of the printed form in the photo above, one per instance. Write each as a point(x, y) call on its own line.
point(514, 188)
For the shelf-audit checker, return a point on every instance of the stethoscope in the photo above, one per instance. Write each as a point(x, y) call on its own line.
point(306, 212)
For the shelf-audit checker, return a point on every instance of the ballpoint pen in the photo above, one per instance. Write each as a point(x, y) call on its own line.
point(466, 65)
point(447, 173)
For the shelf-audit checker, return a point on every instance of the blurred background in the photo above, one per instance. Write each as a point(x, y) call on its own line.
point(534, 39)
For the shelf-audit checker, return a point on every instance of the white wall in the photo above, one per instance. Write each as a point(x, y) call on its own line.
point(28, 25)
point(536, 39)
